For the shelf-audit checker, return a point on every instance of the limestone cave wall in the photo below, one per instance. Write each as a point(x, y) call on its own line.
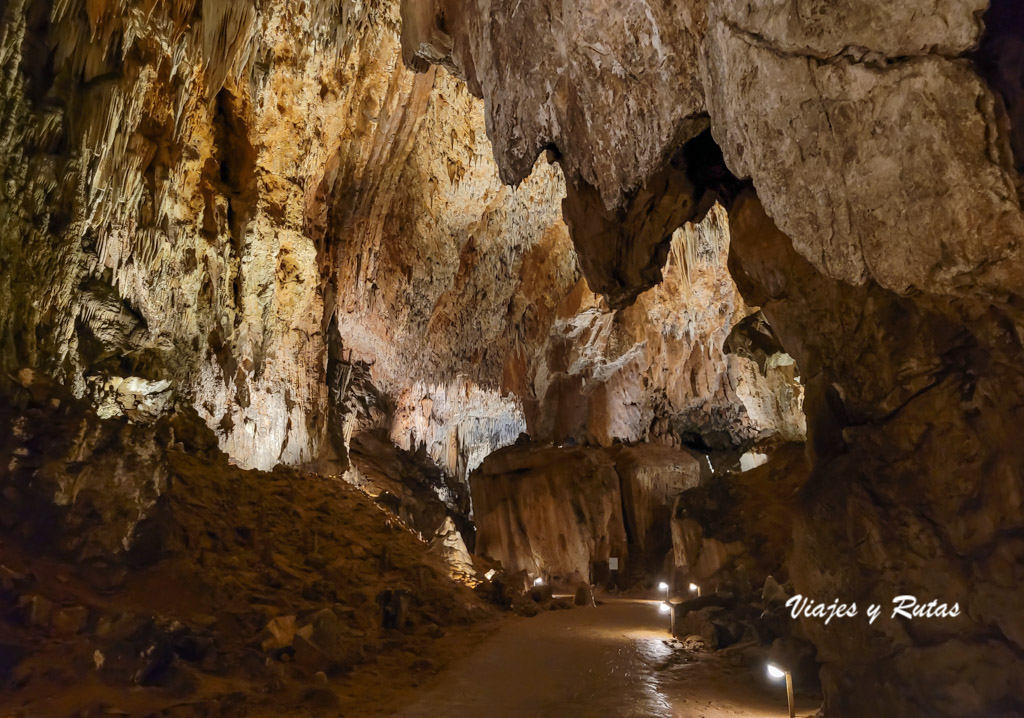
point(303, 220)
point(562, 513)
point(868, 156)
point(225, 203)
point(664, 369)
point(162, 164)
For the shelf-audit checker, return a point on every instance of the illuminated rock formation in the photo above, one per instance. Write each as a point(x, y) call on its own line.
point(660, 370)
point(690, 223)
point(562, 513)
point(883, 243)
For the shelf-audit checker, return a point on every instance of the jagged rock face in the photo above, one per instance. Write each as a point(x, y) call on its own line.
point(999, 60)
point(650, 478)
point(562, 513)
point(887, 258)
point(458, 424)
point(589, 62)
point(236, 198)
point(429, 261)
point(659, 369)
point(209, 194)
point(409, 485)
point(477, 325)
point(161, 157)
point(74, 483)
point(627, 59)
point(252, 199)
point(573, 369)
point(913, 472)
point(442, 274)
point(893, 135)
point(793, 95)
point(576, 370)
point(733, 532)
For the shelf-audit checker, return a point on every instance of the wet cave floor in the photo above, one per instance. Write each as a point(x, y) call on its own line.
point(613, 660)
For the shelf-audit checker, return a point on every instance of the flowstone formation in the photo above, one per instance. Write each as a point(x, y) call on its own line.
point(245, 242)
point(868, 156)
point(675, 368)
point(561, 514)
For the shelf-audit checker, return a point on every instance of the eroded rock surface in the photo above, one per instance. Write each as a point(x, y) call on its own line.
point(660, 369)
point(587, 62)
point(211, 587)
point(833, 112)
point(561, 513)
point(409, 484)
point(214, 198)
point(858, 133)
point(256, 212)
point(735, 531)
point(911, 473)
point(551, 512)
point(239, 205)
point(884, 245)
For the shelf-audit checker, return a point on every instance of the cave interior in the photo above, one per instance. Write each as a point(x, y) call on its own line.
point(641, 358)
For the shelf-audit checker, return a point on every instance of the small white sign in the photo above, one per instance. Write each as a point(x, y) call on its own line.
point(613, 563)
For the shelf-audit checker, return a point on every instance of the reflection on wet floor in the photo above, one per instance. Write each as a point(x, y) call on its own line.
point(613, 660)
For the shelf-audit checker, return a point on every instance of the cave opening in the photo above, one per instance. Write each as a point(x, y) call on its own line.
point(403, 358)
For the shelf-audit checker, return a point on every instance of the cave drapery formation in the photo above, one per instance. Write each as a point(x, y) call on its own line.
point(379, 239)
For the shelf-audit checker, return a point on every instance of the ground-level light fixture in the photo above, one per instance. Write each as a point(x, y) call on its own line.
point(667, 607)
point(663, 587)
point(538, 581)
point(777, 673)
point(694, 588)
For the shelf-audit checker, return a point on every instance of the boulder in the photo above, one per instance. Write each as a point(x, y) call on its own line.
point(394, 608)
point(278, 634)
point(584, 595)
point(69, 620)
point(772, 594)
point(694, 644)
point(523, 606)
point(542, 593)
point(36, 609)
point(324, 646)
point(698, 623)
point(11, 579)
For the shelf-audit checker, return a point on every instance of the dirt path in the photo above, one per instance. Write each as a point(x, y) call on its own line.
point(613, 660)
